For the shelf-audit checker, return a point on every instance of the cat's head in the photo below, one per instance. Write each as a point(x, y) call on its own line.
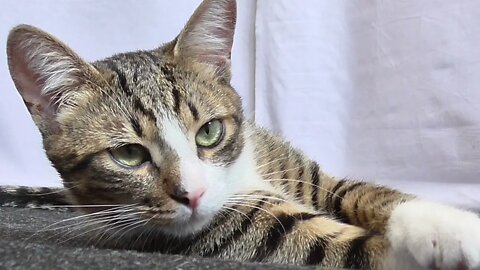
point(161, 129)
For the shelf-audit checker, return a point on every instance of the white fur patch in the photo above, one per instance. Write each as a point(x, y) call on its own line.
point(191, 171)
point(220, 182)
point(427, 235)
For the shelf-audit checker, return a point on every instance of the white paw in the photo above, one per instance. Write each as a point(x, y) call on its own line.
point(435, 236)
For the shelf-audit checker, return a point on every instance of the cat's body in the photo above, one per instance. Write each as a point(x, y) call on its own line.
point(158, 142)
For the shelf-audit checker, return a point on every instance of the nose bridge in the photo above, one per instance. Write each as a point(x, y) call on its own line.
point(182, 173)
point(169, 168)
point(189, 170)
point(182, 179)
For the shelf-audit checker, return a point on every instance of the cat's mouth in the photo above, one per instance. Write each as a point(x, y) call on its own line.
point(179, 222)
point(188, 215)
point(197, 217)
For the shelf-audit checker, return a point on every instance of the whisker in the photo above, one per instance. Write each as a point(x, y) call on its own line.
point(282, 171)
point(85, 224)
point(251, 200)
point(96, 228)
point(241, 196)
point(118, 222)
point(151, 230)
point(264, 210)
point(102, 212)
point(57, 191)
point(238, 211)
point(272, 161)
point(130, 227)
point(261, 154)
point(85, 205)
point(143, 231)
point(95, 220)
point(305, 182)
point(122, 208)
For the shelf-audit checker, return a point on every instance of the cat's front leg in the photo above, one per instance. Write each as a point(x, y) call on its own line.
point(434, 236)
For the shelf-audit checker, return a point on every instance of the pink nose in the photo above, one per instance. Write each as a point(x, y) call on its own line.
point(194, 197)
point(190, 199)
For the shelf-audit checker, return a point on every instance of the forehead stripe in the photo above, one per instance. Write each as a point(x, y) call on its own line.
point(193, 111)
point(176, 99)
point(136, 126)
point(121, 77)
point(138, 105)
point(167, 71)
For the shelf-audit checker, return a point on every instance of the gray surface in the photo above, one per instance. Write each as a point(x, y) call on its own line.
point(20, 250)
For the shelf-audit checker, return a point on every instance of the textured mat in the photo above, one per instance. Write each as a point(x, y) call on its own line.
point(22, 248)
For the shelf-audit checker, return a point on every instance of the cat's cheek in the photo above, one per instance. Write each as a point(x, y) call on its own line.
point(215, 177)
point(216, 193)
point(211, 204)
point(242, 176)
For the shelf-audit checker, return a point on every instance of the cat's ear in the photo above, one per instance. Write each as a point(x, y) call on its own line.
point(208, 35)
point(45, 72)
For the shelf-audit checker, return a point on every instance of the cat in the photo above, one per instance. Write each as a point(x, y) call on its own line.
point(156, 140)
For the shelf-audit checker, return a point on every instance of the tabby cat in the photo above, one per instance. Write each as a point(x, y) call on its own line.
point(160, 135)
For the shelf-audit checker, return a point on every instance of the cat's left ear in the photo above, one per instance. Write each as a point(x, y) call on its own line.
point(208, 36)
point(46, 73)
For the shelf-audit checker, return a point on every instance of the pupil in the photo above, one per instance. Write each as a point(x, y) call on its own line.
point(207, 128)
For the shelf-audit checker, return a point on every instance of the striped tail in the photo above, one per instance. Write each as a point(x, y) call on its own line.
point(32, 197)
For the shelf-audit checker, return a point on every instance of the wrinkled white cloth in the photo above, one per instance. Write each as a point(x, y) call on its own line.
point(384, 91)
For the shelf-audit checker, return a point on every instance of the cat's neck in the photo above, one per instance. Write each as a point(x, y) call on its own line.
point(274, 157)
point(283, 166)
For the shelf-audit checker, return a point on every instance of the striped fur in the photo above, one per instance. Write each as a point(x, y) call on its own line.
point(264, 201)
point(22, 196)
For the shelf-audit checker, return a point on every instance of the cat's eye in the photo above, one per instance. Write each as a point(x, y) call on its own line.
point(210, 134)
point(130, 155)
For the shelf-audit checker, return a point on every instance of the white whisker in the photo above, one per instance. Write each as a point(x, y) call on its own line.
point(272, 161)
point(238, 211)
point(241, 196)
point(261, 209)
point(103, 212)
point(97, 228)
point(305, 182)
point(282, 171)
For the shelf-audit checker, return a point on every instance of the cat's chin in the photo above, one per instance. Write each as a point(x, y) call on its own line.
point(182, 229)
point(188, 223)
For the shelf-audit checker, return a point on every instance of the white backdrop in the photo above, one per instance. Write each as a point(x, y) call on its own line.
point(385, 91)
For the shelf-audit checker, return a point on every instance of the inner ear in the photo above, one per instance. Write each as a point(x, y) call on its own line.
point(28, 82)
point(208, 35)
point(46, 73)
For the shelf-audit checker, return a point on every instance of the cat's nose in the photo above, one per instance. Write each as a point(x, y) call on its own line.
point(190, 199)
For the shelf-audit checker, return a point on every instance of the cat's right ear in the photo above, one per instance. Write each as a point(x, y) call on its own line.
point(45, 71)
point(207, 37)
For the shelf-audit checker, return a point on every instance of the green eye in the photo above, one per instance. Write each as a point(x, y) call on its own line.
point(210, 134)
point(130, 155)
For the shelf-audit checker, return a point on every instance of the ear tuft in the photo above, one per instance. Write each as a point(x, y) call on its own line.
point(208, 35)
point(43, 69)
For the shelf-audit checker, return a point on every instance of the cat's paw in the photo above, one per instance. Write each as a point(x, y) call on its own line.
point(435, 236)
